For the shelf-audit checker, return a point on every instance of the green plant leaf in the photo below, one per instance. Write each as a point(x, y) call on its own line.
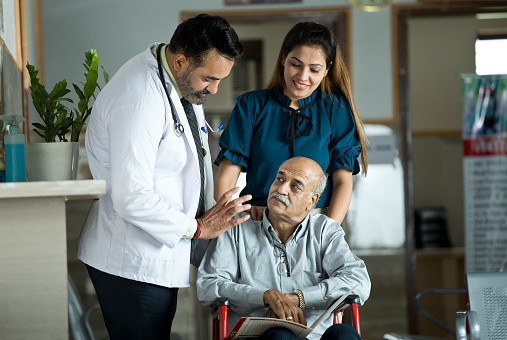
point(85, 91)
point(92, 75)
point(39, 108)
point(76, 116)
point(95, 64)
point(44, 96)
point(32, 71)
point(38, 126)
point(90, 55)
point(78, 120)
point(78, 125)
point(79, 93)
point(82, 105)
point(59, 90)
point(91, 83)
point(105, 74)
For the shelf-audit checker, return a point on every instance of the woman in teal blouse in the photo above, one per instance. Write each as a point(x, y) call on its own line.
point(306, 111)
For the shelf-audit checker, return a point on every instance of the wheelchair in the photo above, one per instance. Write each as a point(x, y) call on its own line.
point(220, 308)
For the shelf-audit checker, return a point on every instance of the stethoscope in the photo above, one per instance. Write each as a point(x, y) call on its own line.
point(178, 127)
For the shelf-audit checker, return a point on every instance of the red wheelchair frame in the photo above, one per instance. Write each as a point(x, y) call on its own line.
point(221, 305)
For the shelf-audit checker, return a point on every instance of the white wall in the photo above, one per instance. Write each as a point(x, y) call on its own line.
point(119, 29)
point(8, 34)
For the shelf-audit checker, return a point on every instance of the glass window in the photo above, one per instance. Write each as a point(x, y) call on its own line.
point(491, 56)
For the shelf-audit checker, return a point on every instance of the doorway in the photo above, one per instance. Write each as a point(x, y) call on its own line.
point(433, 131)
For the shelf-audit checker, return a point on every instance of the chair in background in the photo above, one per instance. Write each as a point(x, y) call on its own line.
point(221, 306)
point(428, 316)
point(487, 315)
point(79, 318)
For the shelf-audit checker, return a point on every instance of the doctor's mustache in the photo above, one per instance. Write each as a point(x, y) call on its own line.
point(206, 92)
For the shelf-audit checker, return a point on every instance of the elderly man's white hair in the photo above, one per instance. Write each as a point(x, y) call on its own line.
point(319, 188)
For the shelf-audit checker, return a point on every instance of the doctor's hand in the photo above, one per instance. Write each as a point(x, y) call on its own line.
point(219, 219)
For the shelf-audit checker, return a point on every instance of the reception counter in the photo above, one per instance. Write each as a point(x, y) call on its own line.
point(33, 256)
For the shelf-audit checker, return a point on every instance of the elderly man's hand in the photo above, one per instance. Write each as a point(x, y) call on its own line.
point(282, 307)
point(270, 314)
point(220, 218)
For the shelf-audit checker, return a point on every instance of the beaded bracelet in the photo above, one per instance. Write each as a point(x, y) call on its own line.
point(198, 231)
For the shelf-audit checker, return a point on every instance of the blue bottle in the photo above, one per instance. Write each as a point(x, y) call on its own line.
point(14, 145)
point(2, 162)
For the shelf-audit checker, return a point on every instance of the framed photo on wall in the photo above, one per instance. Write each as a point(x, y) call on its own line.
point(253, 2)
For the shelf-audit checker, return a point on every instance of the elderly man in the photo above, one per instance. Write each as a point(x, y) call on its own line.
point(291, 265)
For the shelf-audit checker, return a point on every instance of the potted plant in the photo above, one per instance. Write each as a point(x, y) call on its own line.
point(52, 160)
point(86, 92)
point(56, 121)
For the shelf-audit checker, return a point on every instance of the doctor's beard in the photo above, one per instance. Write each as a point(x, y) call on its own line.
point(188, 92)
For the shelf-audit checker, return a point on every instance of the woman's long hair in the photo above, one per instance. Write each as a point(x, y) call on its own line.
point(337, 79)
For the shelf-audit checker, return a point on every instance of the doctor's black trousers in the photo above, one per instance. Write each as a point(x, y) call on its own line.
point(134, 310)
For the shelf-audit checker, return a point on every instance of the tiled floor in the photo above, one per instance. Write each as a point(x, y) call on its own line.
point(385, 310)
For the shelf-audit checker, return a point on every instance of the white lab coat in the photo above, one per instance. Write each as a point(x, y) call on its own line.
point(153, 179)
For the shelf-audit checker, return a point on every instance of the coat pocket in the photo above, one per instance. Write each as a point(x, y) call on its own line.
point(141, 244)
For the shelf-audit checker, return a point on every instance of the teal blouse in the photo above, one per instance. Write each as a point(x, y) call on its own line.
point(256, 138)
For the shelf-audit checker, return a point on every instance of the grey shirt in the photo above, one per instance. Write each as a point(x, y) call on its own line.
point(249, 259)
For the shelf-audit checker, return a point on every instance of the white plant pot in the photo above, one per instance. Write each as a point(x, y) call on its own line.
point(51, 161)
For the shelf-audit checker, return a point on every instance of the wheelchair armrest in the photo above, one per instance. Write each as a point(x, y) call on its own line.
point(220, 302)
point(353, 301)
point(219, 308)
point(349, 300)
point(353, 298)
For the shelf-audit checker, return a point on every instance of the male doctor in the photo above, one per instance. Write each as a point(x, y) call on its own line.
point(138, 239)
